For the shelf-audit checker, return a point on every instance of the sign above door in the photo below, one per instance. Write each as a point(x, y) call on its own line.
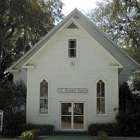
point(72, 90)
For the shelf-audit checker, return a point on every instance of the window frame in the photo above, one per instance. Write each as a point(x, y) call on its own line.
point(67, 46)
point(39, 97)
point(96, 97)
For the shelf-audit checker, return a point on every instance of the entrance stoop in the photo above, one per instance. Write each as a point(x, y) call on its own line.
point(71, 133)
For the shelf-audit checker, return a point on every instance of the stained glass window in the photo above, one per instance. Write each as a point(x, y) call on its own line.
point(43, 97)
point(100, 97)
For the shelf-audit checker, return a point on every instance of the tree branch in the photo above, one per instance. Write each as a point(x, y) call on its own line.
point(11, 33)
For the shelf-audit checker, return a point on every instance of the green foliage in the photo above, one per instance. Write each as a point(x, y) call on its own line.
point(44, 129)
point(111, 128)
point(12, 102)
point(22, 24)
point(129, 123)
point(129, 102)
point(135, 82)
point(30, 134)
point(27, 135)
point(120, 20)
point(12, 122)
point(13, 96)
point(103, 135)
point(129, 114)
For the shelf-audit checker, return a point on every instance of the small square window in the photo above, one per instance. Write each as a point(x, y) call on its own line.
point(72, 48)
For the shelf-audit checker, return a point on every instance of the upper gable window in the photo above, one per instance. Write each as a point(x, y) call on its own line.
point(72, 48)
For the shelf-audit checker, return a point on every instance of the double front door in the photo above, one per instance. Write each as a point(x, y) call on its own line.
point(72, 116)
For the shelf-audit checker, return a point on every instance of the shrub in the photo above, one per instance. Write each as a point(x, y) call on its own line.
point(27, 135)
point(30, 134)
point(12, 122)
point(44, 129)
point(111, 128)
point(129, 123)
point(103, 135)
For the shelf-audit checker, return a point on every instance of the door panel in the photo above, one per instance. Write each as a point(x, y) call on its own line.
point(66, 115)
point(78, 108)
point(66, 122)
point(66, 108)
point(78, 122)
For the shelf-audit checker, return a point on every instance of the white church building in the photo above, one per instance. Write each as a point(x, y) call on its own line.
point(73, 75)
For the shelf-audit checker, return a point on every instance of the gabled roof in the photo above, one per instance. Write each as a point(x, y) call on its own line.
point(91, 29)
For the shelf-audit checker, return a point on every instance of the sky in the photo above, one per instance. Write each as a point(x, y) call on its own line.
point(81, 5)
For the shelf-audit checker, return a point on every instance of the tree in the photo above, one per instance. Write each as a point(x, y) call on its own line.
point(128, 101)
point(120, 20)
point(13, 103)
point(129, 111)
point(135, 82)
point(13, 96)
point(22, 24)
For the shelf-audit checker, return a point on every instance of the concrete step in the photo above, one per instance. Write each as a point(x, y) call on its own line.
point(71, 133)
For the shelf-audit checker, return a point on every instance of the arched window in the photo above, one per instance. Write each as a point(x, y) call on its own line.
point(44, 97)
point(1, 120)
point(100, 91)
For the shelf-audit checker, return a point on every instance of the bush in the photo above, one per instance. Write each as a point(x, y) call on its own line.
point(111, 128)
point(27, 135)
point(44, 129)
point(103, 135)
point(12, 122)
point(30, 134)
point(129, 123)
